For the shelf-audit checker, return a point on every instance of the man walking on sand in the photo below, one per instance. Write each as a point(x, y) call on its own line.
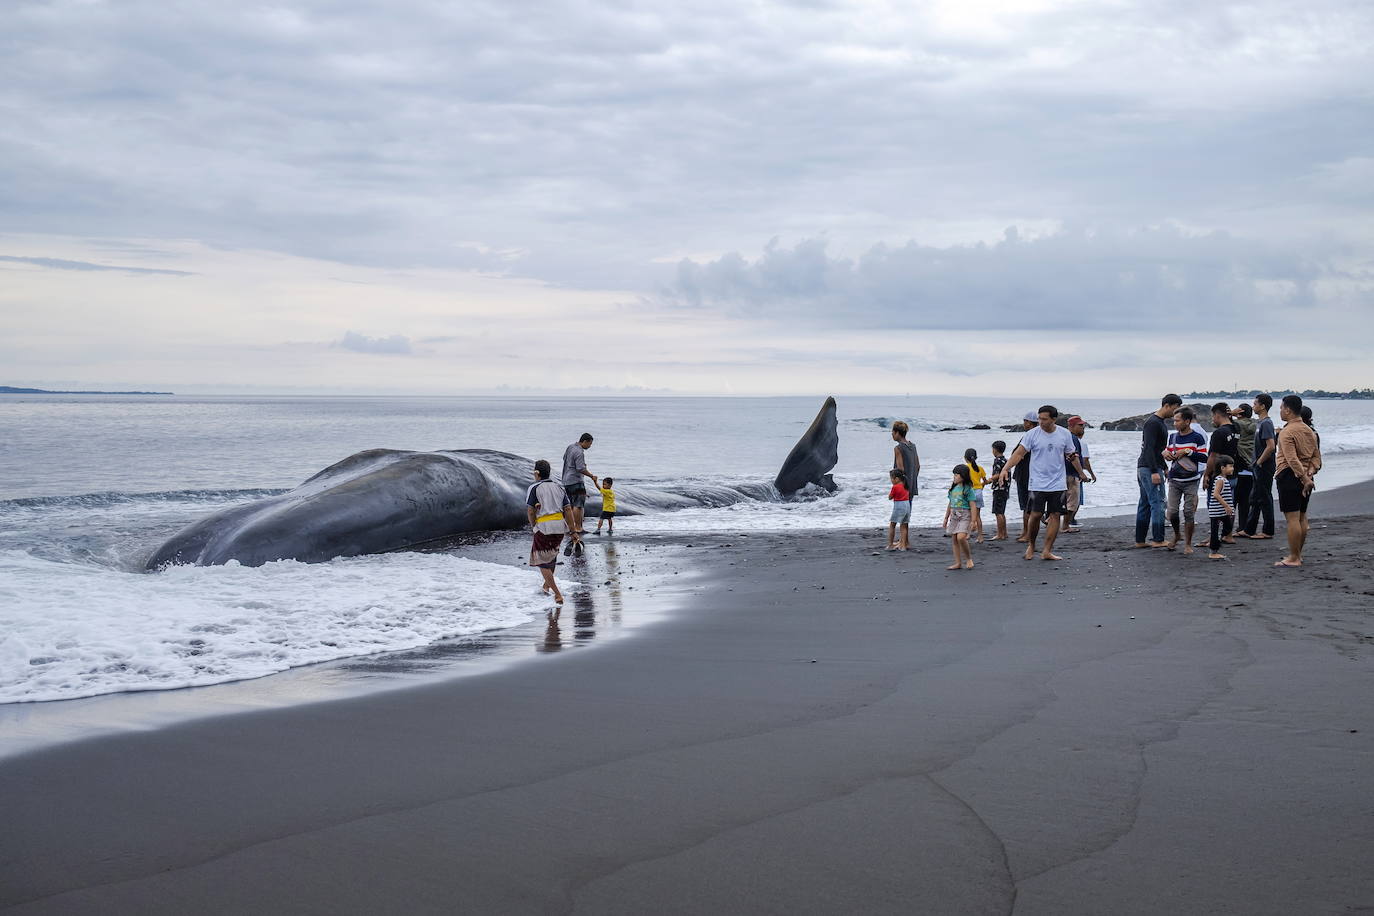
point(1149, 473)
point(1262, 491)
point(1299, 460)
point(1048, 446)
point(574, 469)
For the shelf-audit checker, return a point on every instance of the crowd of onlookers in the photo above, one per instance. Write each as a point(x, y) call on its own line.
point(1232, 474)
point(1238, 468)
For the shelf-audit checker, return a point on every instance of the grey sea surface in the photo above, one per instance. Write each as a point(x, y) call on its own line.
point(89, 485)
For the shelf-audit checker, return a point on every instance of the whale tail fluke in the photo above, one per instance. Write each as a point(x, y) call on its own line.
point(814, 455)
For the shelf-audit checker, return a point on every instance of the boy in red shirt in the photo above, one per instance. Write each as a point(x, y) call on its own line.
point(901, 512)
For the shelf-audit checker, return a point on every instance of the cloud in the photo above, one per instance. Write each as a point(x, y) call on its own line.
point(1072, 279)
point(61, 264)
point(578, 145)
point(360, 343)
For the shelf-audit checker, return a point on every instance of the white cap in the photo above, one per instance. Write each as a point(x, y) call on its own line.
point(1031, 417)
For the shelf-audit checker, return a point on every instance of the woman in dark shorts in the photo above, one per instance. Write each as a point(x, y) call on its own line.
point(549, 511)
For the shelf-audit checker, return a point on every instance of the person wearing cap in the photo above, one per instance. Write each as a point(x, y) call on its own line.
point(1022, 475)
point(1073, 497)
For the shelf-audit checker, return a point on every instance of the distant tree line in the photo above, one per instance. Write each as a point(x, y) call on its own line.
point(1354, 394)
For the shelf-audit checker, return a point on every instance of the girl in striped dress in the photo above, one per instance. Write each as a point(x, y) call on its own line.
point(1221, 504)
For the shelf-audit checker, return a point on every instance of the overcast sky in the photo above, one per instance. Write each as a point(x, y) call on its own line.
point(961, 196)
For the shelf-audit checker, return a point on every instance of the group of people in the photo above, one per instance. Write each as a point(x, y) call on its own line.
point(555, 509)
point(1048, 465)
point(1238, 468)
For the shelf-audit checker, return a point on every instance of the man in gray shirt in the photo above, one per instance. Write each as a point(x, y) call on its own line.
point(574, 469)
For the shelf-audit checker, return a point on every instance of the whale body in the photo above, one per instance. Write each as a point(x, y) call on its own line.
point(381, 500)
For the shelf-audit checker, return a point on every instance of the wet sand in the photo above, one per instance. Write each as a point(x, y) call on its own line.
point(825, 728)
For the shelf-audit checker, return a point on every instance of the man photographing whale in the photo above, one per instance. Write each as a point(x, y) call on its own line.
point(574, 469)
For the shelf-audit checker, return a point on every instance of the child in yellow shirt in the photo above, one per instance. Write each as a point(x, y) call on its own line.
point(607, 506)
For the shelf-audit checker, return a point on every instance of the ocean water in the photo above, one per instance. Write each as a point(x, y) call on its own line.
point(90, 485)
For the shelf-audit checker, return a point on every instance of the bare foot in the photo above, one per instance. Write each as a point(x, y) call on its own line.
point(1000, 537)
point(1187, 550)
point(891, 546)
point(1287, 562)
point(955, 566)
point(1261, 537)
point(1170, 545)
point(1030, 553)
point(1140, 546)
point(1023, 539)
point(1228, 540)
point(968, 564)
point(1215, 556)
point(1050, 556)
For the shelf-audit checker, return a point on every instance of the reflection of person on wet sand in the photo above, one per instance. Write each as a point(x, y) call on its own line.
point(553, 640)
point(550, 515)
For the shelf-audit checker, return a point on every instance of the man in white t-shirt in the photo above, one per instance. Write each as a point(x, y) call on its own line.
point(1049, 447)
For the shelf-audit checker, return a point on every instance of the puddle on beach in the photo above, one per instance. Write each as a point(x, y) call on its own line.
point(619, 585)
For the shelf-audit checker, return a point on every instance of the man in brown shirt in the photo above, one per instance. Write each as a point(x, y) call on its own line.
point(1299, 458)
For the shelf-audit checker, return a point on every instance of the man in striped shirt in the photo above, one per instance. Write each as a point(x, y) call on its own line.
point(1186, 452)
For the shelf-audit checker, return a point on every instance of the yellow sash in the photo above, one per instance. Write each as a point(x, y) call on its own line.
point(549, 518)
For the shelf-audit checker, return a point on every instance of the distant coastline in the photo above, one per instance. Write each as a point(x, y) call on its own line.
point(1354, 394)
point(7, 389)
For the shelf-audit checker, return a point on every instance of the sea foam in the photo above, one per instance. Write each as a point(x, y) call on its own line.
point(74, 630)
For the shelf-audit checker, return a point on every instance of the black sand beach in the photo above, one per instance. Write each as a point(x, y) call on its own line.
point(827, 728)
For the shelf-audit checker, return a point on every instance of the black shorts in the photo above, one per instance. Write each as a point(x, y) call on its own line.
point(577, 495)
point(1291, 498)
point(1048, 502)
point(605, 514)
point(1022, 495)
point(999, 502)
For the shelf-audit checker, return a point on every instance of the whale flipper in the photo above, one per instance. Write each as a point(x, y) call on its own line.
point(814, 455)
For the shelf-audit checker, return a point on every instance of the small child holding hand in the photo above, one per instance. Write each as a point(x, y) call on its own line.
point(607, 506)
point(901, 512)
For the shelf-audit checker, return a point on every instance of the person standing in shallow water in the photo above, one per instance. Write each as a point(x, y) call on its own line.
point(550, 514)
point(574, 469)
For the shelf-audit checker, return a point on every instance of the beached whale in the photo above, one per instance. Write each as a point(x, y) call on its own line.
point(383, 499)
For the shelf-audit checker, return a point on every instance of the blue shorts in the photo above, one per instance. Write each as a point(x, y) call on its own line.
point(901, 512)
point(978, 498)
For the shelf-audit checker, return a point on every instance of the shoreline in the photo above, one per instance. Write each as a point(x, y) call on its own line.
point(599, 609)
point(819, 730)
point(28, 727)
